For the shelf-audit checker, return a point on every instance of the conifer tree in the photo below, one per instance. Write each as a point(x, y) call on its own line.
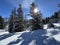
point(59, 12)
point(59, 15)
point(37, 17)
point(11, 22)
point(16, 21)
point(20, 19)
point(1, 23)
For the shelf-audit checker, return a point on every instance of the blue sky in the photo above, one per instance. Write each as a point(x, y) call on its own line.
point(47, 7)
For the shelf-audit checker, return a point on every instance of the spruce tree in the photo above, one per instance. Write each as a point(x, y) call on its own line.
point(59, 15)
point(59, 12)
point(1, 23)
point(20, 19)
point(37, 17)
point(11, 22)
point(16, 21)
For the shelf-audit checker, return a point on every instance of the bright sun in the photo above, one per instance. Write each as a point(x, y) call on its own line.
point(36, 10)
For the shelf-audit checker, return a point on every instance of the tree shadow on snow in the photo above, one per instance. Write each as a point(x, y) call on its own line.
point(4, 36)
point(38, 36)
point(54, 32)
point(52, 41)
point(28, 37)
point(15, 42)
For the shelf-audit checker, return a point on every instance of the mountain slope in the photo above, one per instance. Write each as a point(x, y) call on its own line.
point(50, 36)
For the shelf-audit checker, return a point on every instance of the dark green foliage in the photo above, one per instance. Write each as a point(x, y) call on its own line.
point(16, 22)
point(45, 20)
point(20, 26)
point(54, 18)
point(37, 22)
point(36, 25)
point(1, 23)
point(10, 27)
point(50, 25)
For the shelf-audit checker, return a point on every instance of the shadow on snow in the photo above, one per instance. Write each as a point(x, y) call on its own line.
point(28, 37)
point(4, 36)
point(38, 36)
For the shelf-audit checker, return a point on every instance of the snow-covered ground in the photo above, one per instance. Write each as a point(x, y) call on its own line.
point(47, 36)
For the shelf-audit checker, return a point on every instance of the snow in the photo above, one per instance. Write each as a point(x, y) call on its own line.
point(46, 36)
point(33, 42)
point(45, 26)
point(6, 41)
point(57, 37)
point(57, 24)
point(54, 32)
point(2, 33)
point(23, 38)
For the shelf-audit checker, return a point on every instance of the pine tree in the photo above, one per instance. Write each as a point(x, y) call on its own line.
point(59, 15)
point(16, 21)
point(55, 17)
point(59, 12)
point(20, 19)
point(1, 23)
point(37, 17)
point(11, 22)
point(44, 21)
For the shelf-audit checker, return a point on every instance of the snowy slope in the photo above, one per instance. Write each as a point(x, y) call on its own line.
point(24, 38)
point(50, 36)
point(53, 33)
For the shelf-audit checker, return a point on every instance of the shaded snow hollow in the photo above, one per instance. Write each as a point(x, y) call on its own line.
point(50, 36)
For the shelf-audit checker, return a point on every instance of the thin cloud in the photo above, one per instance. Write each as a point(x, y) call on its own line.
point(15, 2)
point(25, 3)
